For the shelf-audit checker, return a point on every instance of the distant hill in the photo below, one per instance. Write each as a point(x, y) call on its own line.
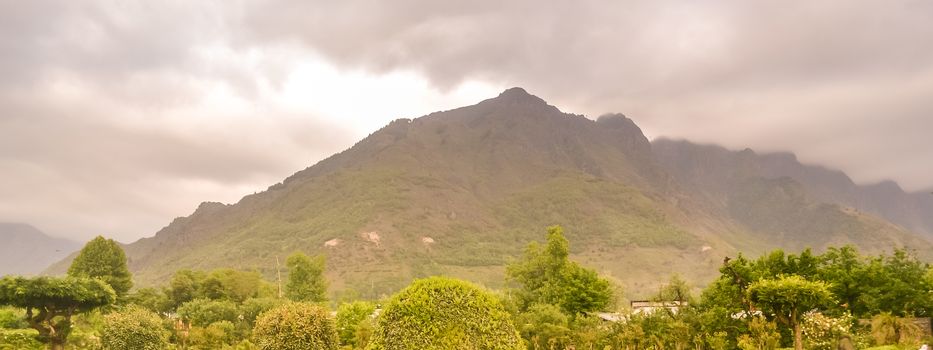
point(785, 202)
point(24, 250)
point(462, 192)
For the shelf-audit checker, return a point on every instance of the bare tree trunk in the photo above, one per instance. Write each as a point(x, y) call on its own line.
point(798, 337)
point(57, 344)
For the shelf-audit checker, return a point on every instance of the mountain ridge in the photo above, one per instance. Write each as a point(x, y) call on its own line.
point(26, 250)
point(461, 192)
point(833, 185)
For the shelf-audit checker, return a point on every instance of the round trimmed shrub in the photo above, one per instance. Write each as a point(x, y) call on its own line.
point(133, 328)
point(442, 313)
point(295, 326)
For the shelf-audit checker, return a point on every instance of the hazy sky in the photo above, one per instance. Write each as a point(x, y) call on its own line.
point(117, 116)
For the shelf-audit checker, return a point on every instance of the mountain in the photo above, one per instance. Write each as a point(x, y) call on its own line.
point(783, 201)
point(462, 192)
point(25, 250)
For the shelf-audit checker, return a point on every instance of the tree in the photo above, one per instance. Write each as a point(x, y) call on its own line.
point(848, 274)
point(185, 286)
point(442, 313)
point(788, 297)
point(219, 284)
point(898, 285)
point(151, 299)
point(232, 284)
point(305, 278)
point(203, 312)
point(546, 275)
point(51, 302)
point(103, 259)
point(295, 326)
point(253, 307)
point(676, 290)
point(133, 328)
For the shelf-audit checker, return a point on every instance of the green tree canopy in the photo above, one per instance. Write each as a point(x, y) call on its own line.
point(787, 298)
point(103, 259)
point(151, 299)
point(231, 284)
point(546, 275)
point(203, 312)
point(305, 278)
point(253, 307)
point(219, 284)
point(440, 313)
point(51, 302)
point(295, 326)
point(133, 328)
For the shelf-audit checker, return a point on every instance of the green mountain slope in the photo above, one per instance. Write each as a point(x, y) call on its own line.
point(462, 192)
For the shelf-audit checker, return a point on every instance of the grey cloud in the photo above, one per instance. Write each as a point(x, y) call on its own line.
point(841, 83)
point(696, 66)
point(74, 171)
point(100, 132)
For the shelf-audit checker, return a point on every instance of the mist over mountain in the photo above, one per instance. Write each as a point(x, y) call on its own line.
point(707, 164)
point(462, 192)
point(26, 251)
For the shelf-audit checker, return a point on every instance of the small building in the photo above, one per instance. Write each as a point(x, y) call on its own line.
point(650, 306)
point(610, 316)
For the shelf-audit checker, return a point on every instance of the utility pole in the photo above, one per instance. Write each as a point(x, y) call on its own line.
point(279, 273)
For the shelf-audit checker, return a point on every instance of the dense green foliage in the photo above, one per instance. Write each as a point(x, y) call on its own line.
point(773, 301)
point(546, 275)
point(543, 326)
point(203, 312)
point(296, 326)
point(252, 308)
point(442, 313)
point(355, 323)
point(787, 298)
point(133, 328)
point(305, 278)
point(103, 259)
point(20, 339)
point(12, 318)
point(225, 284)
point(51, 302)
point(151, 299)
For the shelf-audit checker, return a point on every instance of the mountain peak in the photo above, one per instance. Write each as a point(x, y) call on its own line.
point(518, 95)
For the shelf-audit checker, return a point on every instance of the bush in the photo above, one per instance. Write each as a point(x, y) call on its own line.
point(295, 326)
point(203, 312)
point(762, 335)
point(888, 329)
point(215, 336)
point(134, 328)
point(253, 307)
point(12, 318)
point(354, 323)
point(822, 332)
point(544, 325)
point(443, 313)
point(20, 339)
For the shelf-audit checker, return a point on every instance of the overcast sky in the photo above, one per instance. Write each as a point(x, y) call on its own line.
point(117, 116)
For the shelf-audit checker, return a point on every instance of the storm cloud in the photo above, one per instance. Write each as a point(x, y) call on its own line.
point(116, 116)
